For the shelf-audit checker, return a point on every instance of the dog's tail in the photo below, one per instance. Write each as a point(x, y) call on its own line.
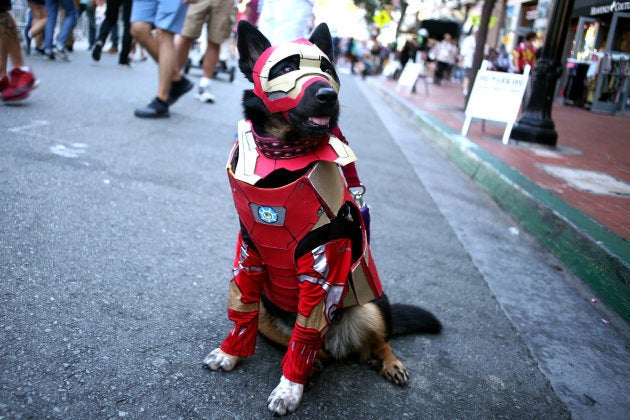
point(410, 319)
point(402, 319)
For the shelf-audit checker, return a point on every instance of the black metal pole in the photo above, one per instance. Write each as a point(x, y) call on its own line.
point(536, 125)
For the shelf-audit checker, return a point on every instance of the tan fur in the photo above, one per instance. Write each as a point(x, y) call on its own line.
point(360, 331)
point(272, 328)
point(276, 127)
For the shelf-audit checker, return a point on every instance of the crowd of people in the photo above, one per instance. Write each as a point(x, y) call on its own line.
point(445, 58)
point(452, 59)
point(166, 30)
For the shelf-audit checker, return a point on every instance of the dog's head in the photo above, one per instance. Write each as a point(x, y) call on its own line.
point(295, 84)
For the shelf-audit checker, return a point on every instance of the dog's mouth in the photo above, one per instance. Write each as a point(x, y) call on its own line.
point(319, 121)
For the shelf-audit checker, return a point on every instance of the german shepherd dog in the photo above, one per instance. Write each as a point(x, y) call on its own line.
point(303, 274)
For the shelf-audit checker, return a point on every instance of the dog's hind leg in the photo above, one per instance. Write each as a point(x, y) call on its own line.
point(363, 329)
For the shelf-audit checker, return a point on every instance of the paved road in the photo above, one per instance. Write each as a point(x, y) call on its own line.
point(116, 242)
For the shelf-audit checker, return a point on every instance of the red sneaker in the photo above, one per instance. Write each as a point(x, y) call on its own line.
point(20, 85)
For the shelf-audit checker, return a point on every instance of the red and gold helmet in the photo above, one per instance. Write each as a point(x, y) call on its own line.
point(284, 92)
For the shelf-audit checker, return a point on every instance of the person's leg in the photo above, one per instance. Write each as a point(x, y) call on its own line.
point(21, 79)
point(126, 41)
point(142, 20)
point(168, 19)
point(39, 19)
point(219, 27)
point(6, 23)
point(114, 37)
point(182, 48)
point(91, 14)
point(111, 18)
point(171, 18)
point(166, 63)
point(158, 107)
point(210, 60)
point(68, 24)
point(141, 31)
point(37, 29)
point(27, 28)
point(52, 9)
point(11, 40)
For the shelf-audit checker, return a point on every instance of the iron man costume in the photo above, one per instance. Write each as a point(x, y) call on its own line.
point(271, 256)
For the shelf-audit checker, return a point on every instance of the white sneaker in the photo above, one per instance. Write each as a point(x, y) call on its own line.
point(204, 95)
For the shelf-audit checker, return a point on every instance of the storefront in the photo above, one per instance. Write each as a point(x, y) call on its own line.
point(598, 65)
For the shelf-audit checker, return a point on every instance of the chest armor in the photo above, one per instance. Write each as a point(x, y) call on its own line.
point(277, 219)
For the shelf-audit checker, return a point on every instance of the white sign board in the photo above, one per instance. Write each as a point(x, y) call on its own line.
point(496, 96)
point(410, 74)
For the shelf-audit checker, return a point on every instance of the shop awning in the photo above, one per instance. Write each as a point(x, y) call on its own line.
point(438, 27)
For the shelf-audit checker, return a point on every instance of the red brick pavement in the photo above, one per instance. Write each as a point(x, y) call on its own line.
point(586, 141)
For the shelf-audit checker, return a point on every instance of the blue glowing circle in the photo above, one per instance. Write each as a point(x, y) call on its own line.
point(267, 214)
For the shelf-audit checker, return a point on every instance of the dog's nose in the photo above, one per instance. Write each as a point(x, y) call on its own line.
point(326, 94)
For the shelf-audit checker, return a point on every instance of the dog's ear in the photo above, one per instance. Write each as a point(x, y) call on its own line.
point(321, 37)
point(251, 43)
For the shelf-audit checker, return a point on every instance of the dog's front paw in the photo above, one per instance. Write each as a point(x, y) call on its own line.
point(285, 398)
point(219, 360)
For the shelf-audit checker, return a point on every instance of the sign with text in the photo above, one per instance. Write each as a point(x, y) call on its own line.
point(496, 96)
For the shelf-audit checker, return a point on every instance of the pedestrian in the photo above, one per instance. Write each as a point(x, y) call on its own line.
point(58, 49)
point(498, 60)
point(219, 17)
point(36, 25)
point(111, 21)
point(525, 53)
point(18, 84)
point(167, 17)
point(467, 55)
point(445, 54)
point(285, 20)
point(408, 52)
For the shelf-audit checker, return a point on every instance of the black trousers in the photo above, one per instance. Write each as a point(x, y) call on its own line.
point(111, 19)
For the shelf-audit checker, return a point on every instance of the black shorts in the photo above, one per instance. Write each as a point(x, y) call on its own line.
point(5, 5)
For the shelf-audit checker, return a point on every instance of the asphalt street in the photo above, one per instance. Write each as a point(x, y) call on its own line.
point(117, 236)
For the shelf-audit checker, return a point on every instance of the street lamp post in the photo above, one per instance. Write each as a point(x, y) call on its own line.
point(536, 125)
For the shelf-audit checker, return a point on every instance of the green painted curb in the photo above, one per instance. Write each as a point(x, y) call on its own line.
point(598, 256)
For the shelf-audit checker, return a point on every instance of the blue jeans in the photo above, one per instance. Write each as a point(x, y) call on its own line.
point(90, 11)
point(52, 8)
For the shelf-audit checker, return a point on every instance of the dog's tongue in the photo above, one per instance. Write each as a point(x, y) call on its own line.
point(320, 120)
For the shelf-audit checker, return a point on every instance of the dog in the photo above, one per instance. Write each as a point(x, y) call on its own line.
point(304, 276)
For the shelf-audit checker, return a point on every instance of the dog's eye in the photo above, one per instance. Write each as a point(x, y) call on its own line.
point(286, 69)
point(285, 66)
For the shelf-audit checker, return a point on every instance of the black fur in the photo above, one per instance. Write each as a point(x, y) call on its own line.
point(251, 43)
point(410, 319)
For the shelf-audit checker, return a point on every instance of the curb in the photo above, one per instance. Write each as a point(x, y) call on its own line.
point(598, 256)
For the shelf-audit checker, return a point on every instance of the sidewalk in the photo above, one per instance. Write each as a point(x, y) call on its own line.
point(574, 198)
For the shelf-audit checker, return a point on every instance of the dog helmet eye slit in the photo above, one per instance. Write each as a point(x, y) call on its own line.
point(327, 67)
point(285, 66)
